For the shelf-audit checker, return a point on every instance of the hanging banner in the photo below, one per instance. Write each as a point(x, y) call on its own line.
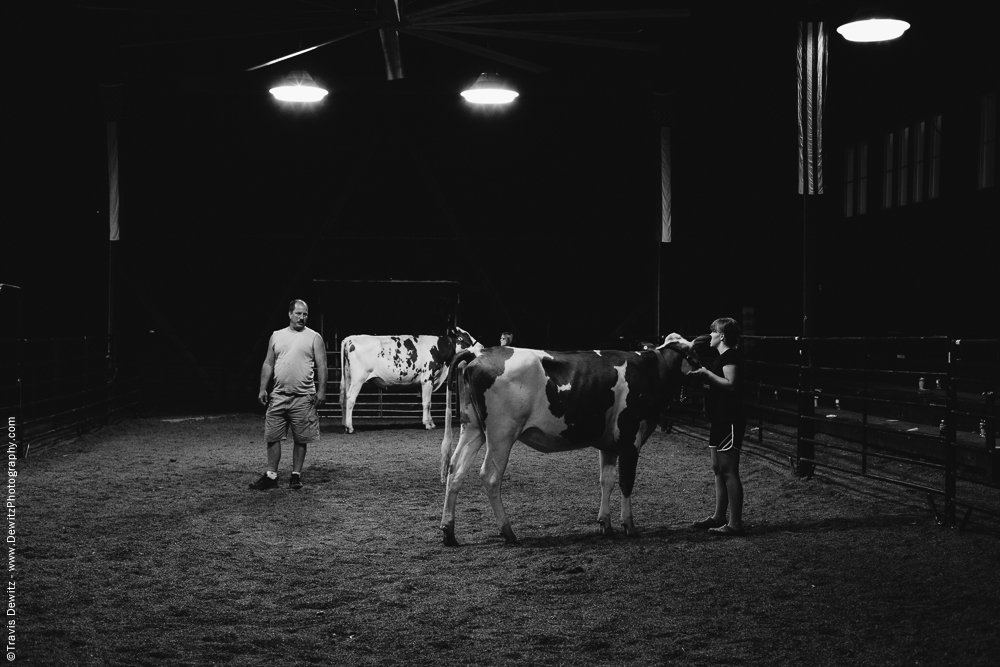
point(811, 64)
point(113, 179)
point(665, 194)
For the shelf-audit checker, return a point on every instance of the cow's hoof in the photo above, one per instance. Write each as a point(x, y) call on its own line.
point(508, 535)
point(449, 536)
point(605, 529)
point(430, 427)
point(348, 430)
point(629, 531)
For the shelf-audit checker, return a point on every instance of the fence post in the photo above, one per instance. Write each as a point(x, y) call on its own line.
point(992, 453)
point(864, 409)
point(804, 464)
point(949, 446)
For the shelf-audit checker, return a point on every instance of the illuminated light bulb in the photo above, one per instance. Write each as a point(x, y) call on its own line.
point(489, 96)
point(873, 30)
point(489, 89)
point(298, 87)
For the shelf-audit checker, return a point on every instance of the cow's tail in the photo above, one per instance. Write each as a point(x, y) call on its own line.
point(345, 374)
point(454, 371)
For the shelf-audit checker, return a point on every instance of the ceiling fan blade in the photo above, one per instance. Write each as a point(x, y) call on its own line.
point(542, 37)
point(311, 48)
point(477, 50)
point(455, 5)
point(391, 53)
point(553, 16)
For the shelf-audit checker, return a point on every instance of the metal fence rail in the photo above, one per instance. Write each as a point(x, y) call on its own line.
point(917, 412)
point(59, 387)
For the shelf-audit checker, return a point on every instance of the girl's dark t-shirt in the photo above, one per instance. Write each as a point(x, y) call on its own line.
point(725, 404)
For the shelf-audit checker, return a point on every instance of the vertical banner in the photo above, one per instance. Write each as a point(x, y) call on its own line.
point(811, 65)
point(665, 195)
point(113, 179)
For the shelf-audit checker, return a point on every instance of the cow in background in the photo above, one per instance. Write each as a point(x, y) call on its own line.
point(558, 401)
point(397, 360)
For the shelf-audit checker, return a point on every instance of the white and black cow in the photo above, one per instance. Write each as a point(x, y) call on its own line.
point(395, 360)
point(559, 401)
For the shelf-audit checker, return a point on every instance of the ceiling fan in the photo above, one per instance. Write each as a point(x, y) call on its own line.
point(439, 22)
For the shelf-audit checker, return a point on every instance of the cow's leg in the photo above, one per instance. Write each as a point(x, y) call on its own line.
point(461, 462)
point(426, 389)
point(498, 446)
point(627, 463)
point(352, 396)
point(608, 460)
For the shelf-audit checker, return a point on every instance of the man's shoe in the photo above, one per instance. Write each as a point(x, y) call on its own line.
point(295, 482)
point(710, 522)
point(264, 483)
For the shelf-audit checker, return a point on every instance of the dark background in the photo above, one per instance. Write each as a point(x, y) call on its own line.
point(547, 213)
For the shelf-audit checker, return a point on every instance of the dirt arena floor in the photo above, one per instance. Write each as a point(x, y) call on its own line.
point(141, 545)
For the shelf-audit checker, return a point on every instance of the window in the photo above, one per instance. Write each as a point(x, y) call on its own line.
point(887, 173)
point(934, 179)
point(912, 157)
point(904, 165)
point(856, 179)
point(919, 131)
point(988, 141)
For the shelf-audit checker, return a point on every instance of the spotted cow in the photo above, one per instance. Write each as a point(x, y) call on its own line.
point(553, 402)
point(396, 360)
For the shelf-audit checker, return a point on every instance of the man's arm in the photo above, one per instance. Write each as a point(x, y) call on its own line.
point(319, 355)
point(266, 371)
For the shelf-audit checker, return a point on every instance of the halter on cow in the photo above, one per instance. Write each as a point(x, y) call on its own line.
point(397, 360)
point(558, 401)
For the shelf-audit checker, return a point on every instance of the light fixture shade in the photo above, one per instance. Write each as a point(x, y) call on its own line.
point(489, 89)
point(872, 24)
point(298, 87)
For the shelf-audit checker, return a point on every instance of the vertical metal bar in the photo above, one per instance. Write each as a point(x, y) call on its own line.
point(992, 453)
point(949, 445)
point(803, 449)
point(760, 412)
point(864, 410)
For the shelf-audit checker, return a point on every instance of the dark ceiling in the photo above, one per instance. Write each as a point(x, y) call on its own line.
point(429, 43)
point(207, 154)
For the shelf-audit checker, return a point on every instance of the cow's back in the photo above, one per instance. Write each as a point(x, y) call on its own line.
point(561, 400)
point(403, 359)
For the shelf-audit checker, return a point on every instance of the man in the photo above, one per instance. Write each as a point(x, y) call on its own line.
point(296, 361)
point(506, 338)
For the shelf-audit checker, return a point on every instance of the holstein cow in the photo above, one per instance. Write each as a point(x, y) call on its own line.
point(558, 401)
point(394, 360)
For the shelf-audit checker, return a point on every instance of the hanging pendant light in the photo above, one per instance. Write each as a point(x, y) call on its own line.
point(872, 24)
point(298, 86)
point(489, 89)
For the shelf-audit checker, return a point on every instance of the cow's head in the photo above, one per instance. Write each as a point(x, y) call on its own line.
point(694, 353)
point(464, 340)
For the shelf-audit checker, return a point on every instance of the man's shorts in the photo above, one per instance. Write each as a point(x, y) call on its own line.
point(295, 410)
point(726, 436)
